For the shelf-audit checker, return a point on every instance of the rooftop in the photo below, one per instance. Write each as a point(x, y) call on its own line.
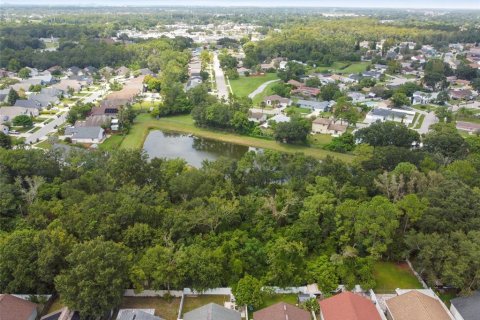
point(348, 306)
point(281, 311)
point(468, 307)
point(13, 308)
point(212, 311)
point(415, 305)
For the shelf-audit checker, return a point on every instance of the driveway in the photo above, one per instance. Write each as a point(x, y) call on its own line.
point(222, 89)
point(430, 119)
point(261, 88)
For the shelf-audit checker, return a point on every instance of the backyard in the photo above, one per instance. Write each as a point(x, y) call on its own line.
point(390, 276)
point(184, 123)
point(243, 86)
point(193, 302)
point(166, 309)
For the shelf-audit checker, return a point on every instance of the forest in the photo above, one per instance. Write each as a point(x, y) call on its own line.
point(88, 224)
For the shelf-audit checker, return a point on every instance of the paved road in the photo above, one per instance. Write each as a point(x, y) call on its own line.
point(430, 119)
point(261, 88)
point(222, 89)
point(43, 131)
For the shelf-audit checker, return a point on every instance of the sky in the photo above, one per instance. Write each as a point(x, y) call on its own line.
point(450, 4)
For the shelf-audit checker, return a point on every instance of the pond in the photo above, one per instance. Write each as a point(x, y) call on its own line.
point(194, 150)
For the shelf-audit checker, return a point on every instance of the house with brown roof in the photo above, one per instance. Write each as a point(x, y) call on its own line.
point(348, 306)
point(276, 101)
point(282, 311)
point(328, 126)
point(415, 305)
point(307, 91)
point(295, 83)
point(14, 308)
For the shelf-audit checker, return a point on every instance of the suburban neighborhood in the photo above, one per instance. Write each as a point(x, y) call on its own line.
point(228, 161)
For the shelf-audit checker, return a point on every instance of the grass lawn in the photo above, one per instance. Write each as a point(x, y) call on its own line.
point(184, 123)
point(320, 139)
point(45, 144)
point(298, 109)
point(243, 86)
point(194, 302)
point(144, 106)
point(420, 121)
point(446, 296)
point(276, 298)
point(167, 310)
point(414, 120)
point(112, 143)
point(390, 276)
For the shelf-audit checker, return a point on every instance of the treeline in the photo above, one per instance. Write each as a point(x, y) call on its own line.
point(323, 41)
point(82, 46)
point(89, 224)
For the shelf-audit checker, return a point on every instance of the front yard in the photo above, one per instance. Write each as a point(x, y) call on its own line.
point(390, 276)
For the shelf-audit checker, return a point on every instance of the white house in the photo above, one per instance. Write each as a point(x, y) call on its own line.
point(278, 119)
point(385, 114)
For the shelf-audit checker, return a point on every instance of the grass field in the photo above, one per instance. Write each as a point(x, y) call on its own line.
point(192, 302)
point(167, 310)
point(243, 86)
point(144, 123)
point(390, 276)
point(344, 67)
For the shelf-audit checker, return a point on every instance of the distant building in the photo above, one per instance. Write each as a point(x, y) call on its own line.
point(276, 101)
point(328, 126)
point(314, 105)
point(88, 135)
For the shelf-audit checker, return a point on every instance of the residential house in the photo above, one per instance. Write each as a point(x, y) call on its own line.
point(122, 71)
point(241, 71)
point(145, 72)
point(74, 71)
point(44, 100)
point(356, 96)
point(90, 70)
point(277, 119)
point(461, 94)
point(65, 84)
point(466, 308)
point(257, 117)
point(44, 77)
point(386, 114)
point(276, 101)
point(348, 306)
point(314, 105)
point(282, 311)
point(328, 126)
point(307, 91)
point(212, 311)
point(195, 67)
point(267, 66)
point(64, 313)
point(88, 135)
point(29, 104)
point(423, 97)
point(295, 83)
point(26, 84)
point(7, 114)
point(137, 314)
point(416, 305)
point(372, 74)
point(282, 65)
point(53, 92)
point(14, 308)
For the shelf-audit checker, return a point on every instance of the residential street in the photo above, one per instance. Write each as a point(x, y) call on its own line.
point(222, 89)
point(43, 131)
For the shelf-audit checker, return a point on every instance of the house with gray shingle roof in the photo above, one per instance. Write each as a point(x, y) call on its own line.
point(44, 99)
point(212, 311)
point(466, 308)
point(88, 135)
point(30, 104)
point(137, 314)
